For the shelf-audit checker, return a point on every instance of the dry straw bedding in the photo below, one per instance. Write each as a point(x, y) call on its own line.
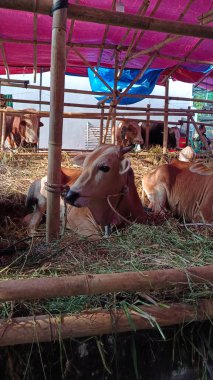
point(169, 244)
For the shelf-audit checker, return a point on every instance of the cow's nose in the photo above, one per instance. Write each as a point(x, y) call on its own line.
point(71, 197)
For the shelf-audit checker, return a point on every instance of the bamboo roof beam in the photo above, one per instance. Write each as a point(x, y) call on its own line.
point(5, 60)
point(142, 10)
point(206, 75)
point(168, 38)
point(35, 17)
point(119, 47)
point(93, 70)
point(151, 14)
point(70, 35)
point(155, 47)
point(104, 38)
point(103, 16)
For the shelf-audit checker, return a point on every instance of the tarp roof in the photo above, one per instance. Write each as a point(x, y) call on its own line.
point(186, 58)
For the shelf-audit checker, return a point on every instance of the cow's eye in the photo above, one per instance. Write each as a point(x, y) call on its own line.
point(104, 168)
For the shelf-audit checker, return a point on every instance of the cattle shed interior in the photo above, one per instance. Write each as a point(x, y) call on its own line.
point(57, 286)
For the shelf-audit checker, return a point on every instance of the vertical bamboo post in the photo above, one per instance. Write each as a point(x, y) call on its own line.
point(3, 130)
point(199, 133)
point(165, 129)
point(147, 126)
point(108, 122)
point(58, 63)
point(114, 99)
point(101, 125)
point(187, 126)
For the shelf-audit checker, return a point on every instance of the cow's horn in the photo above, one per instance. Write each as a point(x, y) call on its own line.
point(126, 149)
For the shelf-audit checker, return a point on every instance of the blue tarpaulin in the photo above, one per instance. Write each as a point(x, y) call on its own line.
point(144, 86)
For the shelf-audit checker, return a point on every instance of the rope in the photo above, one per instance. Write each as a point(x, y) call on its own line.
point(56, 188)
point(59, 5)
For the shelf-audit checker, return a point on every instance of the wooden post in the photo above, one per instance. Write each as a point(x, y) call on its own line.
point(58, 62)
point(101, 125)
point(187, 126)
point(3, 130)
point(165, 130)
point(199, 133)
point(113, 122)
point(147, 126)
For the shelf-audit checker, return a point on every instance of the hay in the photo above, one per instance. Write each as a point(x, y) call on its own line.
point(136, 248)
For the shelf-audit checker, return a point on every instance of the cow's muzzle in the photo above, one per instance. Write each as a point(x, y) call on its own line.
point(71, 197)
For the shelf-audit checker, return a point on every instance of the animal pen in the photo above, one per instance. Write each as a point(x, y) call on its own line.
point(144, 277)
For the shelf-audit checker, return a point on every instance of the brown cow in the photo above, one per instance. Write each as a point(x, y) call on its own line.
point(22, 130)
point(128, 132)
point(79, 220)
point(184, 188)
point(106, 186)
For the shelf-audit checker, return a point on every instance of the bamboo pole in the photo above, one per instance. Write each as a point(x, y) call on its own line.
point(187, 126)
point(4, 82)
point(113, 121)
point(45, 328)
point(107, 17)
point(108, 122)
point(5, 61)
point(165, 129)
point(151, 14)
point(3, 130)
point(147, 126)
point(91, 284)
point(155, 47)
point(58, 62)
point(35, 18)
point(104, 39)
point(119, 108)
point(101, 125)
point(91, 68)
point(200, 134)
point(142, 10)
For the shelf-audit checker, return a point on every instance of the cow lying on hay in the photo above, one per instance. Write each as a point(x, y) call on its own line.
point(103, 192)
point(185, 188)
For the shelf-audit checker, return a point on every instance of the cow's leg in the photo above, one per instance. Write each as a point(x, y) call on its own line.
point(156, 196)
point(33, 220)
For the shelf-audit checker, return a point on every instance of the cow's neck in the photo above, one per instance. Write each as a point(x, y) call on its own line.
point(127, 205)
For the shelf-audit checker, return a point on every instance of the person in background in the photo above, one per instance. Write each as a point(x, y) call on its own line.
point(202, 130)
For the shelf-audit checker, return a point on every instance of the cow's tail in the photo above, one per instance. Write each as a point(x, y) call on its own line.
point(32, 199)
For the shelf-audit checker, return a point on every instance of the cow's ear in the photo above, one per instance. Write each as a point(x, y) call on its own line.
point(124, 166)
point(79, 159)
point(40, 124)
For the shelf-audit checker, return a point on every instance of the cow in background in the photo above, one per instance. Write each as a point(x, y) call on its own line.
point(22, 130)
point(156, 135)
point(128, 132)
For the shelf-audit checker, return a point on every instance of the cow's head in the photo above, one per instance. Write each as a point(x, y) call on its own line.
point(29, 127)
point(104, 173)
point(131, 132)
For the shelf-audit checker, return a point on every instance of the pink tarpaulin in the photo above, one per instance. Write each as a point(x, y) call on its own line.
point(191, 54)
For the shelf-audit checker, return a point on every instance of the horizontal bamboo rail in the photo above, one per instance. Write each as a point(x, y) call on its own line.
point(46, 328)
point(6, 83)
point(102, 283)
point(130, 109)
point(104, 16)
